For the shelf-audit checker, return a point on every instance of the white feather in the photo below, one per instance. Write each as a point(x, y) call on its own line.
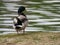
point(15, 20)
point(19, 25)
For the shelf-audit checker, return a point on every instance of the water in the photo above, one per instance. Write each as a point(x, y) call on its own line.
point(43, 15)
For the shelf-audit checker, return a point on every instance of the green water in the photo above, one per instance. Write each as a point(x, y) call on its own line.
point(42, 14)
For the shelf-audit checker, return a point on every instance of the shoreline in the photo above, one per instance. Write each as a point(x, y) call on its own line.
point(31, 38)
point(9, 32)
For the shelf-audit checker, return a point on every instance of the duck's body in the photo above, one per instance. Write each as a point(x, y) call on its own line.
point(20, 22)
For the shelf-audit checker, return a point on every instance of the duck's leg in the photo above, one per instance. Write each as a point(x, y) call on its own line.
point(24, 31)
point(24, 26)
point(17, 30)
point(20, 30)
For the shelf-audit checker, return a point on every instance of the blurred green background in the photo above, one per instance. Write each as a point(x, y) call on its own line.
point(43, 15)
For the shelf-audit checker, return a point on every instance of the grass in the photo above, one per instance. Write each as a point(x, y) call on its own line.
point(31, 38)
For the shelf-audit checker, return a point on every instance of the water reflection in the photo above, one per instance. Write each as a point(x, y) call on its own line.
point(43, 15)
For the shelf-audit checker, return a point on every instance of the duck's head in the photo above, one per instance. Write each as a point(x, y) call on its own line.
point(21, 9)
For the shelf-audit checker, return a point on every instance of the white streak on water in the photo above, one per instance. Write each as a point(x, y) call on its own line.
point(33, 16)
point(11, 0)
point(42, 20)
point(29, 2)
point(42, 23)
point(6, 24)
point(50, 1)
point(27, 29)
point(10, 6)
point(48, 23)
point(56, 5)
point(45, 12)
point(10, 15)
point(37, 20)
point(5, 18)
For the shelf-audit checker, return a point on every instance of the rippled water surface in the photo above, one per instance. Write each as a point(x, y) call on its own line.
point(43, 15)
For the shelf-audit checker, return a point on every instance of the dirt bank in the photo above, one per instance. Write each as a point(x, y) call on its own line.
point(31, 38)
